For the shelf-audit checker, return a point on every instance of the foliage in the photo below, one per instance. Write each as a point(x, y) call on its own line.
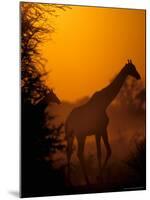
point(35, 29)
point(37, 141)
point(137, 160)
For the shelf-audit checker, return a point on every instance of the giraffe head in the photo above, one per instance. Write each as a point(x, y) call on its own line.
point(51, 97)
point(131, 70)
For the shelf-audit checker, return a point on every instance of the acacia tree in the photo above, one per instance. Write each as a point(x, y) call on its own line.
point(36, 27)
point(37, 140)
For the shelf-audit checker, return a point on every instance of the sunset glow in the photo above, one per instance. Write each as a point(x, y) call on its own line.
point(90, 46)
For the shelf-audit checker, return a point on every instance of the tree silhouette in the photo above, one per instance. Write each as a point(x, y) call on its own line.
point(137, 161)
point(37, 141)
point(35, 29)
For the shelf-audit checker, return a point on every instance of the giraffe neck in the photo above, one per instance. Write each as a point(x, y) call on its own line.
point(106, 96)
point(113, 89)
point(103, 98)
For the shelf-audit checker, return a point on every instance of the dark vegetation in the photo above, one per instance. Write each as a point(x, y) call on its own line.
point(137, 162)
point(37, 141)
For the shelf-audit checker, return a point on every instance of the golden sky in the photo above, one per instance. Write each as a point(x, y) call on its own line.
point(90, 46)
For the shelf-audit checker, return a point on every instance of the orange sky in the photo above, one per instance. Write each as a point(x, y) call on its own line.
point(90, 46)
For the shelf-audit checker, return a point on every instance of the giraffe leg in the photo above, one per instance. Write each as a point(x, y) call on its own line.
point(69, 153)
point(98, 144)
point(81, 142)
point(108, 149)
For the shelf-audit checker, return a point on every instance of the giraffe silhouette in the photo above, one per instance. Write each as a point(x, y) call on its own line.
point(91, 119)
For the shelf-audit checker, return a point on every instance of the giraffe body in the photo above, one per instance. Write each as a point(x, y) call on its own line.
point(87, 120)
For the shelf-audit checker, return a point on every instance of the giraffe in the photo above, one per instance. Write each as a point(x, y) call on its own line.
point(48, 96)
point(91, 119)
